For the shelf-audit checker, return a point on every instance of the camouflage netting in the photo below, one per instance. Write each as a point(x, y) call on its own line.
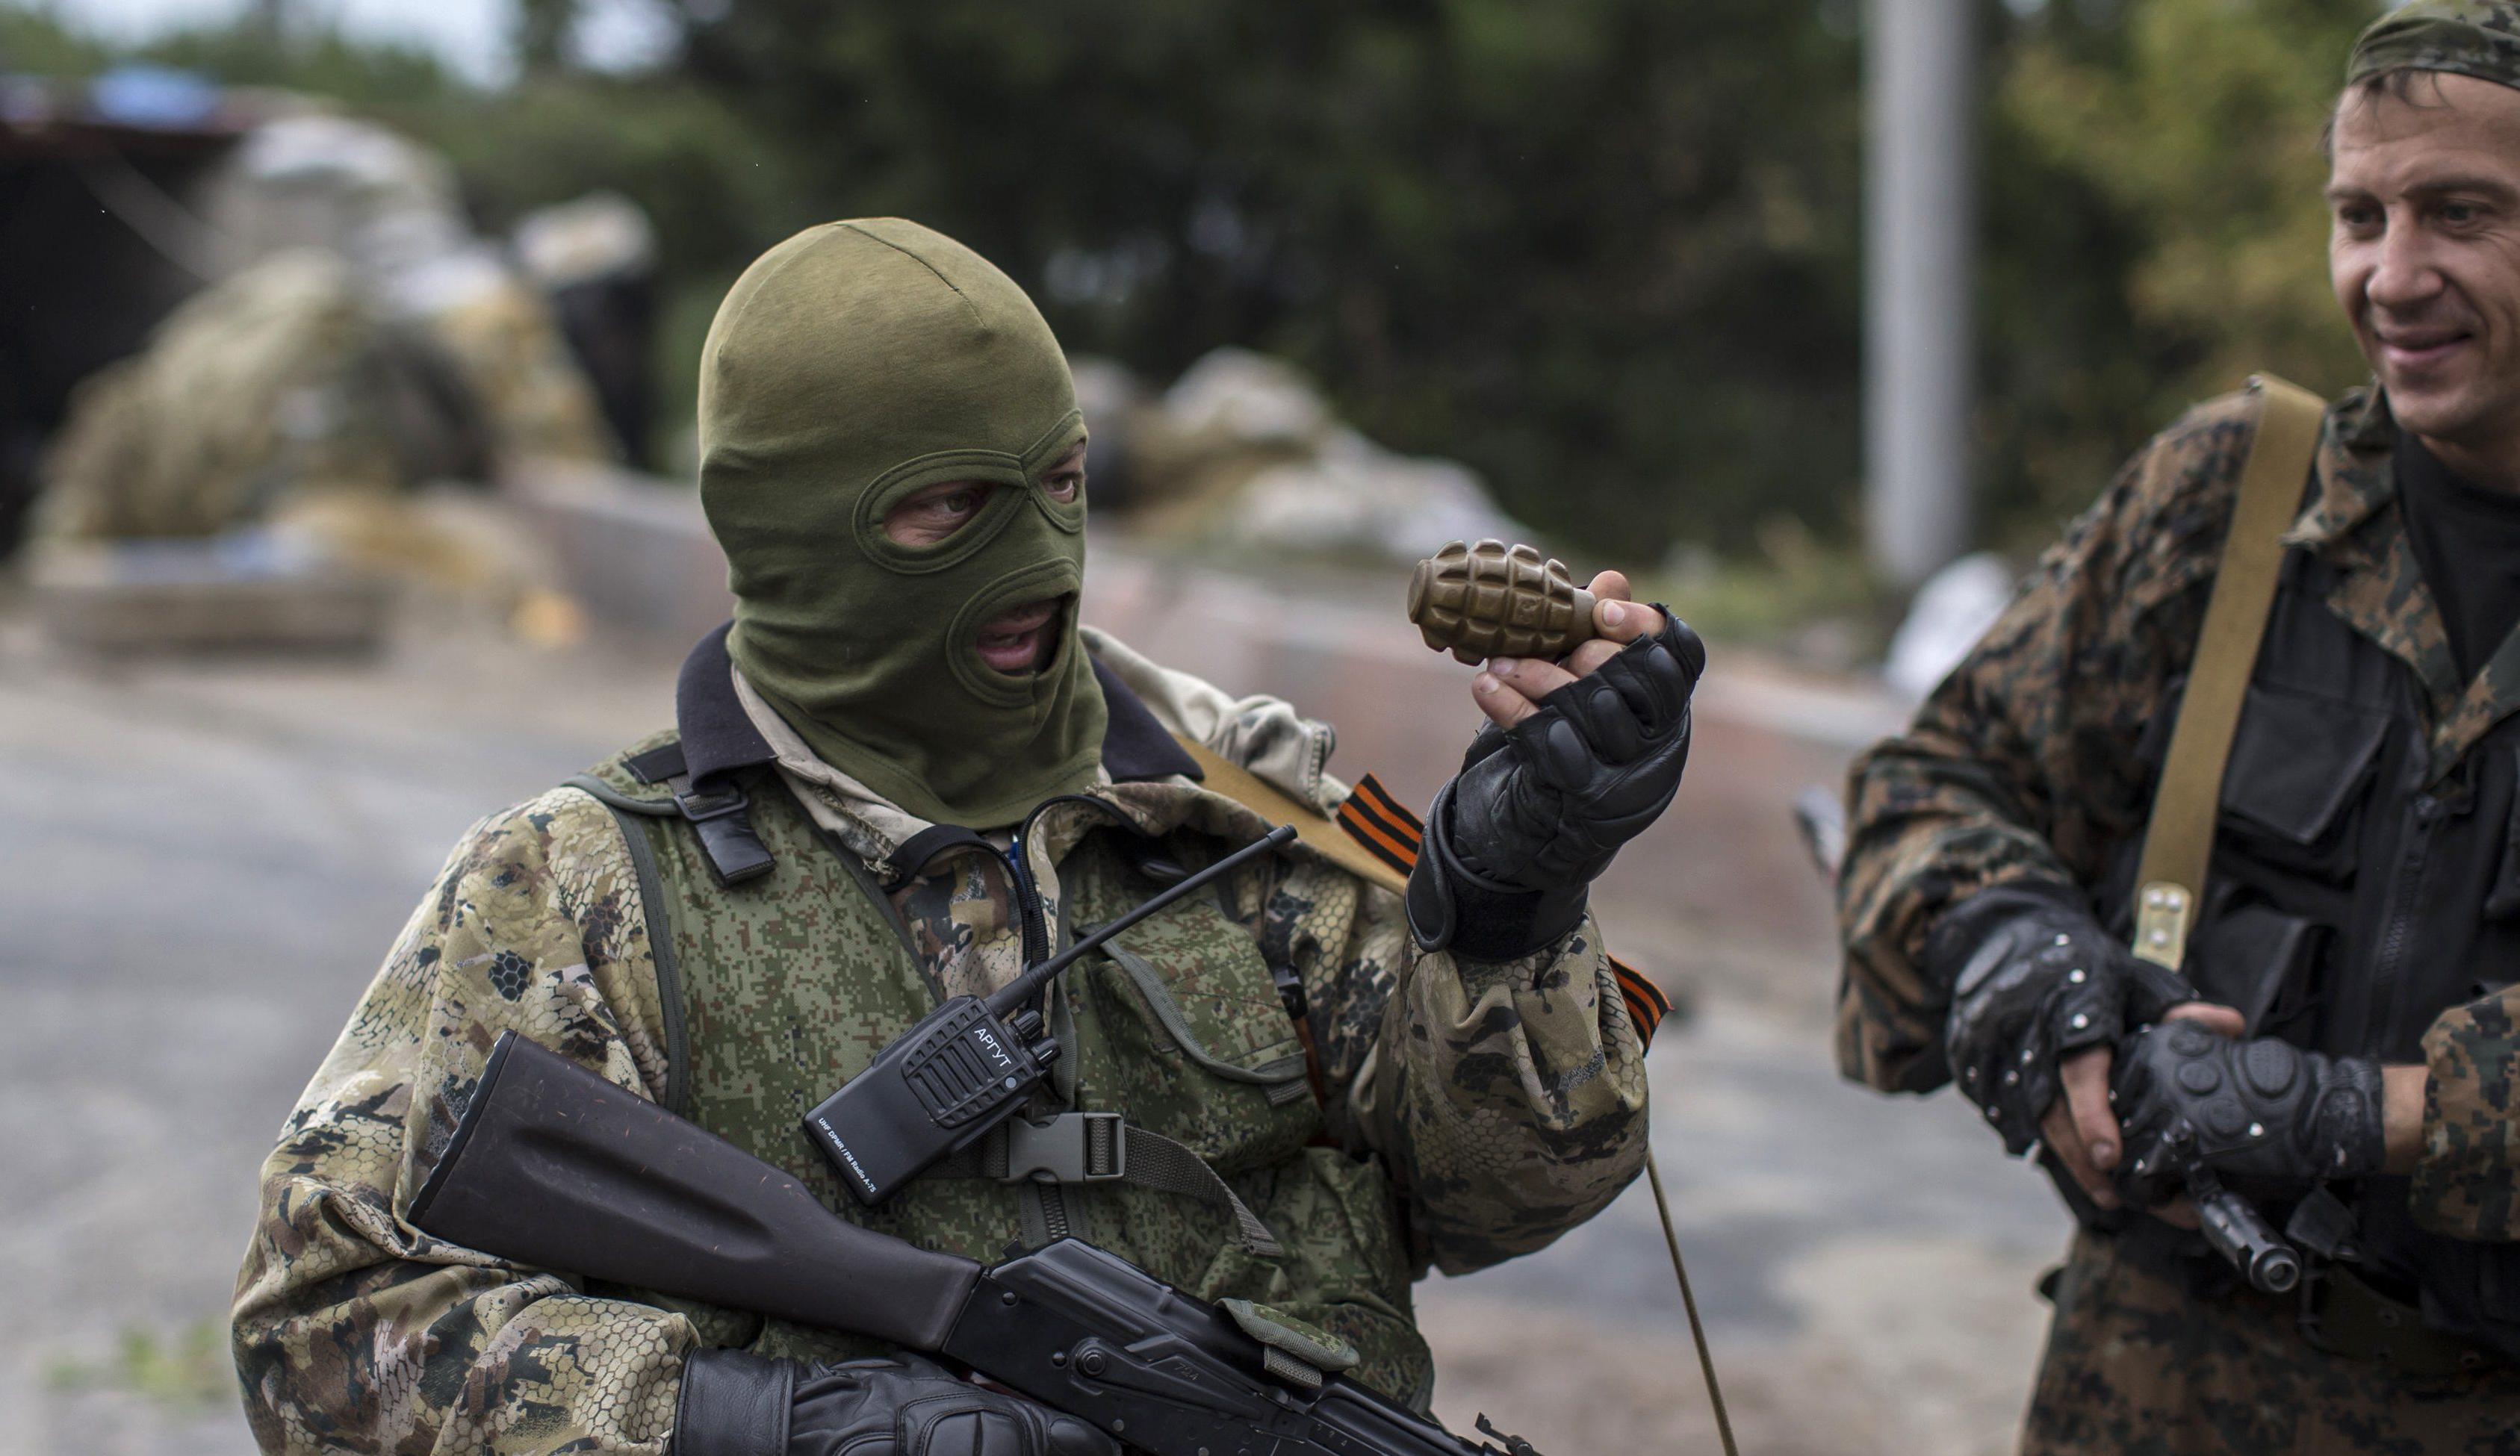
point(270, 380)
point(364, 342)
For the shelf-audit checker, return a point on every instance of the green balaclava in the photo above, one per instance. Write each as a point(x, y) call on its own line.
point(849, 367)
point(2478, 38)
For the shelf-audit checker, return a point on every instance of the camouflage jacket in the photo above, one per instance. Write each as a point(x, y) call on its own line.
point(2026, 764)
point(1466, 1113)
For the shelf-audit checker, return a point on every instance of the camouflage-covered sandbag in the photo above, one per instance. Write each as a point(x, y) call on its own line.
point(391, 208)
point(271, 382)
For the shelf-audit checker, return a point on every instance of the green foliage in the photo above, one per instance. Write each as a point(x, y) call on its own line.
point(322, 62)
point(183, 1368)
point(2159, 230)
point(35, 43)
point(1578, 245)
point(718, 194)
point(1606, 251)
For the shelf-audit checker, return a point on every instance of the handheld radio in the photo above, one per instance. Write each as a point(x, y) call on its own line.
point(966, 1067)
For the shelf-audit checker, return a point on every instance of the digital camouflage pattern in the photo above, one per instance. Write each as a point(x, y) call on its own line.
point(2018, 768)
point(2478, 38)
point(1471, 1113)
point(2471, 1121)
point(2136, 1363)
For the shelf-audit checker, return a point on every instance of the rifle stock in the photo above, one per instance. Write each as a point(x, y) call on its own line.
point(553, 1167)
point(556, 1168)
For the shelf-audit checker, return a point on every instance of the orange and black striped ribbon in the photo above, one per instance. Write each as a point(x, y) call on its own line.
point(1647, 1004)
point(1377, 820)
point(1391, 834)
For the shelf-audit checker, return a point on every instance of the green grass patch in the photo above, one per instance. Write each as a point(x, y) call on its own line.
point(183, 1368)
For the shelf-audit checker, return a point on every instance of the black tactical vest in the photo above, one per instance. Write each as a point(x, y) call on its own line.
point(2353, 896)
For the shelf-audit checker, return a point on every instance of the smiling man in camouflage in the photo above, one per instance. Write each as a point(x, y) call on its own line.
point(904, 773)
point(2348, 1037)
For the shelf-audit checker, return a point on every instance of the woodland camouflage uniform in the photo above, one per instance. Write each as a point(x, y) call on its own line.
point(2022, 768)
point(1450, 1114)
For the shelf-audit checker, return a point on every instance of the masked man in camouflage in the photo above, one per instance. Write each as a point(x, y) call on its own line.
point(902, 773)
point(2347, 1052)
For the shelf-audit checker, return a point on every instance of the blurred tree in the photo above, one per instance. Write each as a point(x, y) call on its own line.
point(1581, 246)
point(2159, 230)
point(542, 30)
point(1605, 251)
point(718, 194)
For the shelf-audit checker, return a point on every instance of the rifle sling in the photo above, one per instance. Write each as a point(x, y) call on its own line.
point(2178, 837)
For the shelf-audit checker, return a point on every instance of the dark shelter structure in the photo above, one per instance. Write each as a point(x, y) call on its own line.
point(92, 254)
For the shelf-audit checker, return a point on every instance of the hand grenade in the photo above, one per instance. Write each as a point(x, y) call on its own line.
point(1495, 600)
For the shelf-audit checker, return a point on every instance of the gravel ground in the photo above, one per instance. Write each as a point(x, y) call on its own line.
point(205, 863)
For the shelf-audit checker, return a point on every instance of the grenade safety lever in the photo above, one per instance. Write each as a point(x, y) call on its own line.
point(966, 1067)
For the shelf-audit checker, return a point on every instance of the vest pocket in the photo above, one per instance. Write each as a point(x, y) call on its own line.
point(1345, 1269)
point(2293, 790)
point(2259, 961)
point(1204, 1052)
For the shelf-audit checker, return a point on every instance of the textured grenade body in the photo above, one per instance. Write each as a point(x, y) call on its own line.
point(1495, 600)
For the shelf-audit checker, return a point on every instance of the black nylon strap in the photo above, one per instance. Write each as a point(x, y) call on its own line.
point(656, 765)
point(916, 853)
point(723, 819)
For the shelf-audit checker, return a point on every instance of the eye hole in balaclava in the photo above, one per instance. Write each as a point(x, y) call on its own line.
point(850, 367)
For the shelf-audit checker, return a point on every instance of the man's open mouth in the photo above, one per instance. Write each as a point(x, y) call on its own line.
point(1020, 641)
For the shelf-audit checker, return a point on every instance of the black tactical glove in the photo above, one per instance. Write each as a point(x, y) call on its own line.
point(738, 1404)
point(2272, 1120)
point(2034, 980)
point(1539, 809)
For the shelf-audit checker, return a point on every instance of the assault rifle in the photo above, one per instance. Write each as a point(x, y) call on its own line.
point(553, 1167)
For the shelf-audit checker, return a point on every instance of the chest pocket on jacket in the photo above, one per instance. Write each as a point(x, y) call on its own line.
point(1204, 1049)
point(2293, 791)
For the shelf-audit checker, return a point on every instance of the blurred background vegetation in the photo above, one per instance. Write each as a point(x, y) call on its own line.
point(1606, 251)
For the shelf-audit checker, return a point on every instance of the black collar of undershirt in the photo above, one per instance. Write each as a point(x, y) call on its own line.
point(719, 740)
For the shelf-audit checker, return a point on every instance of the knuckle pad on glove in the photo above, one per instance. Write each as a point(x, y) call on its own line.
point(965, 1431)
point(2272, 1118)
point(2269, 1067)
point(1565, 759)
point(1664, 687)
point(1614, 729)
point(1633, 690)
point(1683, 642)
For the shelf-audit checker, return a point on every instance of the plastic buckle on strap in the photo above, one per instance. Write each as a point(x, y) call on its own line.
point(702, 807)
point(1074, 1147)
point(723, 819)
point(2161, 923)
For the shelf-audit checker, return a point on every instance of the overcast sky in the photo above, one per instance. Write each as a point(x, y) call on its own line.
point(470, 34)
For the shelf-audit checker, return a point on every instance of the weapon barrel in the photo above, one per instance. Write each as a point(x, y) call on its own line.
point(556, 1168)
point(2239, 1233)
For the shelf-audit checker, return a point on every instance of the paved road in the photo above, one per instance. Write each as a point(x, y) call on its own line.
point(203, 863)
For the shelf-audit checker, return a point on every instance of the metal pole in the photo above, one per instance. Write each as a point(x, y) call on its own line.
point(1921, 224)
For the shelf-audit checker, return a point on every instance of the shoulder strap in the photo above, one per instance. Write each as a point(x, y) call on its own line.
point(2180, 836)
point(1375, 839)
point(721, 814)
point(1317, 832)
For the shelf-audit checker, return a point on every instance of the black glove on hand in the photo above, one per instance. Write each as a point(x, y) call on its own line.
point(1539, 809)
point(2273, 1121)
point(2034, 979)
point(738, 1404)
